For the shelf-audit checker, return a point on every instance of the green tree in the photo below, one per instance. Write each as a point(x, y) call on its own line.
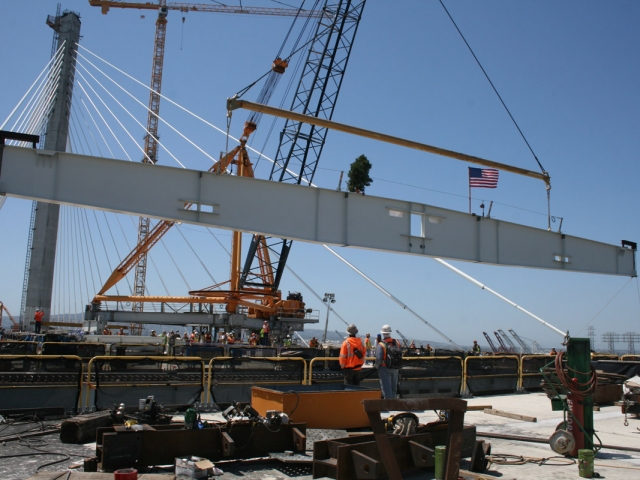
point(359, 175)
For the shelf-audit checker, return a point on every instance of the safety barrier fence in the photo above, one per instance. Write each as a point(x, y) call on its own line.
point(231, 378)
point(136, 349)
point(530, 365)
point(630, 358)
point(126, 379)
point(84, 350)
point(17, 347)
point(497, 373)
point(35, 381)
point(426, 375)
point(109, 379)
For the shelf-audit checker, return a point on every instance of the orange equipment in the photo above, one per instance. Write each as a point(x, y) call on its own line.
point(16, 326)
point(148, 237)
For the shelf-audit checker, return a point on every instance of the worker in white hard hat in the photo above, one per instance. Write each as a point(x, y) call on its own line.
point(352, 355)
point(388, 358)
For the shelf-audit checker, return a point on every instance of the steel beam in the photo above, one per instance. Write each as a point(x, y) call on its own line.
point(307, 214)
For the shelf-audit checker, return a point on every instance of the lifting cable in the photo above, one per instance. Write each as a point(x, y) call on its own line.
point(241, 92)
point(548, 185)
point(493, 86)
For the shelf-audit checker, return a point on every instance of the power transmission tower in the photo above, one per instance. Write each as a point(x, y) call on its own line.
point(611, 338)
point(591, 333)
point(630, 338)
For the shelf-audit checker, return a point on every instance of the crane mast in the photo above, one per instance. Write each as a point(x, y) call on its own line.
point(151, 143)
point(301, 144)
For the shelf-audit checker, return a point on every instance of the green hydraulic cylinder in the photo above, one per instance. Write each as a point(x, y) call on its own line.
point(579, 364)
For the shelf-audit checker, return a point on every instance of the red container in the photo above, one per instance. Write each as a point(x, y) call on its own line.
point(126, 474)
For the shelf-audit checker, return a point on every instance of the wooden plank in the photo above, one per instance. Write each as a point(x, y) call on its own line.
point(516, 416)
point(475, 408)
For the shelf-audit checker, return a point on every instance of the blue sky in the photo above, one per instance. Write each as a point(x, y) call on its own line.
point(568, 71)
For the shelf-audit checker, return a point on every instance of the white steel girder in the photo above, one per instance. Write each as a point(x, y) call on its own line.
point(296, 212)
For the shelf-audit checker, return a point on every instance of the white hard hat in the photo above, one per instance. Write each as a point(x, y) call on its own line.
point(386, 330)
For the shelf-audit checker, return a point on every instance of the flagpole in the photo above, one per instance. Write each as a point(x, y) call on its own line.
point(469, 190)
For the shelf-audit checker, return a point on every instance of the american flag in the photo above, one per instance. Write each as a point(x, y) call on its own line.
point(483, 177)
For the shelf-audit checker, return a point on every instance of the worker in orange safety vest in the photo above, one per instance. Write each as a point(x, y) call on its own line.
point(352, 354)
point(38, 319)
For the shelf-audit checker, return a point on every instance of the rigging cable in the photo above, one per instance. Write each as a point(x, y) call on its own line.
point(177, 105)
point(196, 254)
point(97, 128)
point(103, 119)
point(86, 265)
point(149, 111)
point(51, 61)
point(88, 127)
point(104, 246)
point(606, 304)
point(548, 185)
point(114, 115)
point(175, 264)
point(493, 86)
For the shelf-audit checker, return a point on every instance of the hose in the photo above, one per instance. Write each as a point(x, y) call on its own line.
point(579, 389)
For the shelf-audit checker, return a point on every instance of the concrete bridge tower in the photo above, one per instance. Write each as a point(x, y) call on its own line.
point(45, 229)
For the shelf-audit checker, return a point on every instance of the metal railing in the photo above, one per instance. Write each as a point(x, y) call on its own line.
point(163, 361)
point(254, 360)
point(42, 364)
point(493, 358)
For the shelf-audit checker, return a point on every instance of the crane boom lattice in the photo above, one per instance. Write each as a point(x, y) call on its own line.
point(525, 347)
point(490, 342)
point(301, 144)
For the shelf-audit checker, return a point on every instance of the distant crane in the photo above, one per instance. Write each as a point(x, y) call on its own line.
point(341, 335)
point(536, 347)
point(503, 346)
point(405, 340)
point(512, 347)
point(525, 347)
point(16, 326)
point(490, 342)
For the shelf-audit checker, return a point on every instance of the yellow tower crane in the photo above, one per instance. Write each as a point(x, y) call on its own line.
point(151, 138)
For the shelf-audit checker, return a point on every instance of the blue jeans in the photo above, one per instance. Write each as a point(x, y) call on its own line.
point(388, 381)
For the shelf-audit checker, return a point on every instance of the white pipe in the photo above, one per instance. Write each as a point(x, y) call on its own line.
point(484, 287)
point(300, 337)
point(404, 306)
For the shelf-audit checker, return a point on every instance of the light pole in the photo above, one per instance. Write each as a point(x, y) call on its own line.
point(329, 298)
